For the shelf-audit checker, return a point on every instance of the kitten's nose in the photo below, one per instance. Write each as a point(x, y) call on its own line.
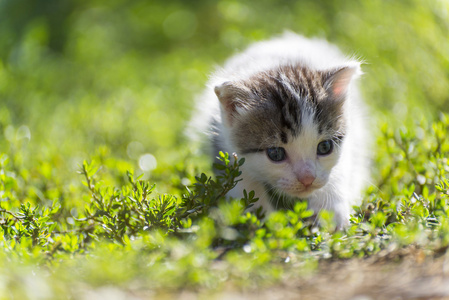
point(306, 180)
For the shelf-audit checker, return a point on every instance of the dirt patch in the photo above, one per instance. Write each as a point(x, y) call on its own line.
point(405, 274)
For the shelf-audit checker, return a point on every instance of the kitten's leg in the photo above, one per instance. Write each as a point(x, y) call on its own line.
point(335, 203)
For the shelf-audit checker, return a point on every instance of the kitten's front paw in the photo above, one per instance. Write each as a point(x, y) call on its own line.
point(341, 220)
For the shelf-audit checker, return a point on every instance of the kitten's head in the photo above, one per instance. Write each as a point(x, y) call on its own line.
point(289, 123)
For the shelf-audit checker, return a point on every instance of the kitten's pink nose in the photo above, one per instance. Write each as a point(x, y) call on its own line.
point(306, 180)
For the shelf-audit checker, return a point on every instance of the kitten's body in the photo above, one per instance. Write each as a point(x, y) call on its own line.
point(281, 99)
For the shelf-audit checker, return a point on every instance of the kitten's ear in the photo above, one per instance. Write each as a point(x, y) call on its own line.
point(233, 98)
point(337, 82)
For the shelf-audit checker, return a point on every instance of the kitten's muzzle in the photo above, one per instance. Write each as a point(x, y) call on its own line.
point(305, 173)
point(306, 180)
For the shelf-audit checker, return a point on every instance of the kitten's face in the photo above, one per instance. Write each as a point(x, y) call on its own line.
point(299, 166)
point(289, 125)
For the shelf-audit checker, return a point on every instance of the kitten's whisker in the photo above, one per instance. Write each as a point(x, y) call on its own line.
point(273, 192)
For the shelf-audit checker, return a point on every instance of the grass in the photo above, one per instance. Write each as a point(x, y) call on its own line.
point(102, 194)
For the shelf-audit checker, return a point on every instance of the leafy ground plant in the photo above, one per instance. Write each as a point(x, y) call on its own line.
point(131, 240)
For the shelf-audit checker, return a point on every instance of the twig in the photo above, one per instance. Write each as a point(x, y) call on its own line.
point(2, 210)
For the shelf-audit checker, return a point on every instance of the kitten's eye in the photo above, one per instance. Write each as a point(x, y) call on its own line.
point(325, 147)
point(276, 153)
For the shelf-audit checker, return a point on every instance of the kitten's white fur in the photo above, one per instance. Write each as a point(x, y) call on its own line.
point(344, 182)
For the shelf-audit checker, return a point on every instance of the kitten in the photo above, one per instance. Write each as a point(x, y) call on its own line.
point(290, 107)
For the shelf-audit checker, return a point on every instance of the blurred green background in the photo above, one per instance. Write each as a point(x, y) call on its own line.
point(116, 81)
